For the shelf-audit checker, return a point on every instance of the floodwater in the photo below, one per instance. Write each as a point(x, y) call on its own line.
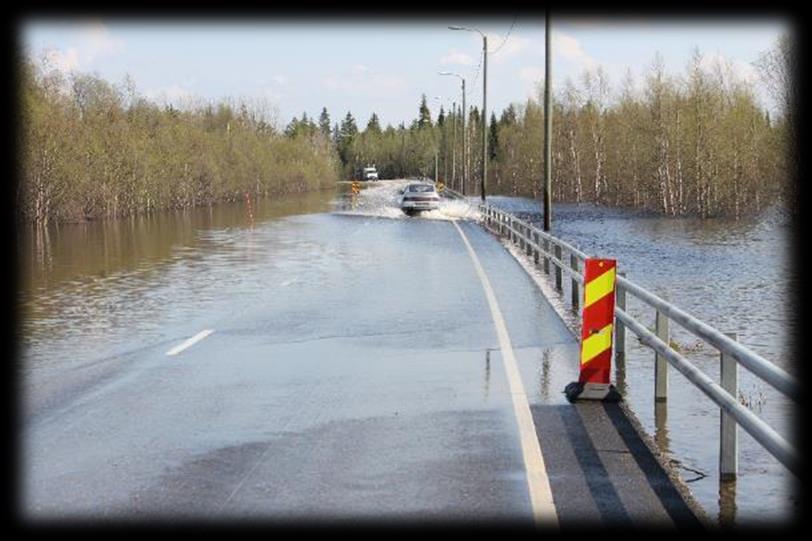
point(735, 276)
point(103, 290)
point(352, 371)
point(88, 289)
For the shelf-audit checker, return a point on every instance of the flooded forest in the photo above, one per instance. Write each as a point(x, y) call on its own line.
point(698, 143)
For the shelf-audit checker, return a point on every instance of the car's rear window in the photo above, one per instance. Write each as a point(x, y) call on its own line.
point(421, 188)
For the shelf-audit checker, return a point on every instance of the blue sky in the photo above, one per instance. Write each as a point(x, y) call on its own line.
point(384, 66)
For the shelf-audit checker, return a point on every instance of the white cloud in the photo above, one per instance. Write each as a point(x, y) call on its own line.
point(499, 49)
point(569, 49)
point(366, 83)
point(456, 57)
point(65, 61)
point(92, 41)
point(744, 71)
point(96, 41)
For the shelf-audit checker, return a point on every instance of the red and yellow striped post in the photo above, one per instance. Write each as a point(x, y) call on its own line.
point(597, 329)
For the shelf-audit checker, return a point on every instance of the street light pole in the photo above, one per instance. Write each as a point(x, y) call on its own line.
point(464, 133)
point(454, 148)
point(484, 106)
point(439, 100)
point(464, 142)
point(444, 141)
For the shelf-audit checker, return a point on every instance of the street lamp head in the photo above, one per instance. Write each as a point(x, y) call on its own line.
point(468, 29)
point(451, 73)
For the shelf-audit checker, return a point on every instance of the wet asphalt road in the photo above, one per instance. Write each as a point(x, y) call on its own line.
point(370, 387)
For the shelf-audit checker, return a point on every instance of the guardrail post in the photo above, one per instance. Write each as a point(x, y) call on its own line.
point(536, 248)
point(517, 232)
point(522, 234)
point(661, 425)
point(574, 296)
point(729, 435)
point(557, 263)
point(546, 256)
point(515, 227)
point(620, 328)
point(528, 245)
point(660, 364)
point(727, 503)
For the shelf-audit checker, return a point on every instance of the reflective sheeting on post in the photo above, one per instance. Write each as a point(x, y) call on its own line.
point(598, 316)
point(596, 333)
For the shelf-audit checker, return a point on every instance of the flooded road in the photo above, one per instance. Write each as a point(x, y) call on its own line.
point(353, 320)
point(735, 276)
point(317, 365)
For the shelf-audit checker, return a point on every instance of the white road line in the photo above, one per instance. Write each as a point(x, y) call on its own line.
point(541, 496)
point(190, 342)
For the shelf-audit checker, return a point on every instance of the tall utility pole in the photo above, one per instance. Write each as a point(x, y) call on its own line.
point(548, 126)
point(464, 133)
point(484, 105)
point(444, 147)
point(464, 141)
point(484, 116)
point(454, 147)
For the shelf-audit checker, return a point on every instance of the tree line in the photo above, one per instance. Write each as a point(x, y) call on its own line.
point(91, 149)
point(690, 144)
point(697, 143)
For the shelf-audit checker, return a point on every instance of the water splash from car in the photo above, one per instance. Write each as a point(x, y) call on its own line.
point(381, 199)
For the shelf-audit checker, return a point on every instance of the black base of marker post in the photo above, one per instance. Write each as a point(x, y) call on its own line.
point(592, 391)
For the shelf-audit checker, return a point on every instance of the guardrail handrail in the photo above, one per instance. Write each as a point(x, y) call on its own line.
point(521, 231)
point(756, 427)
point(758, 365)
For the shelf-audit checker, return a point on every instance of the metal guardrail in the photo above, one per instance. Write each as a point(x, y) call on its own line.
point(565, 258)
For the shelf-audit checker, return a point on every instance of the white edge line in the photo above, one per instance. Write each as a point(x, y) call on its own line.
point(541, 496)
point(190, 342)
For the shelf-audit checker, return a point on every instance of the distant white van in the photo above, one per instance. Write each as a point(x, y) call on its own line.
point(369, 173)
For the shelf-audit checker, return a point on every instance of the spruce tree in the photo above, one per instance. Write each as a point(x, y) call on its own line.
point(424, 120)
point(493, 138)
point(324, 122)
point(374, 125)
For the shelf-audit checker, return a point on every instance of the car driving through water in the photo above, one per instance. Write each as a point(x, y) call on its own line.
point(419, 196)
